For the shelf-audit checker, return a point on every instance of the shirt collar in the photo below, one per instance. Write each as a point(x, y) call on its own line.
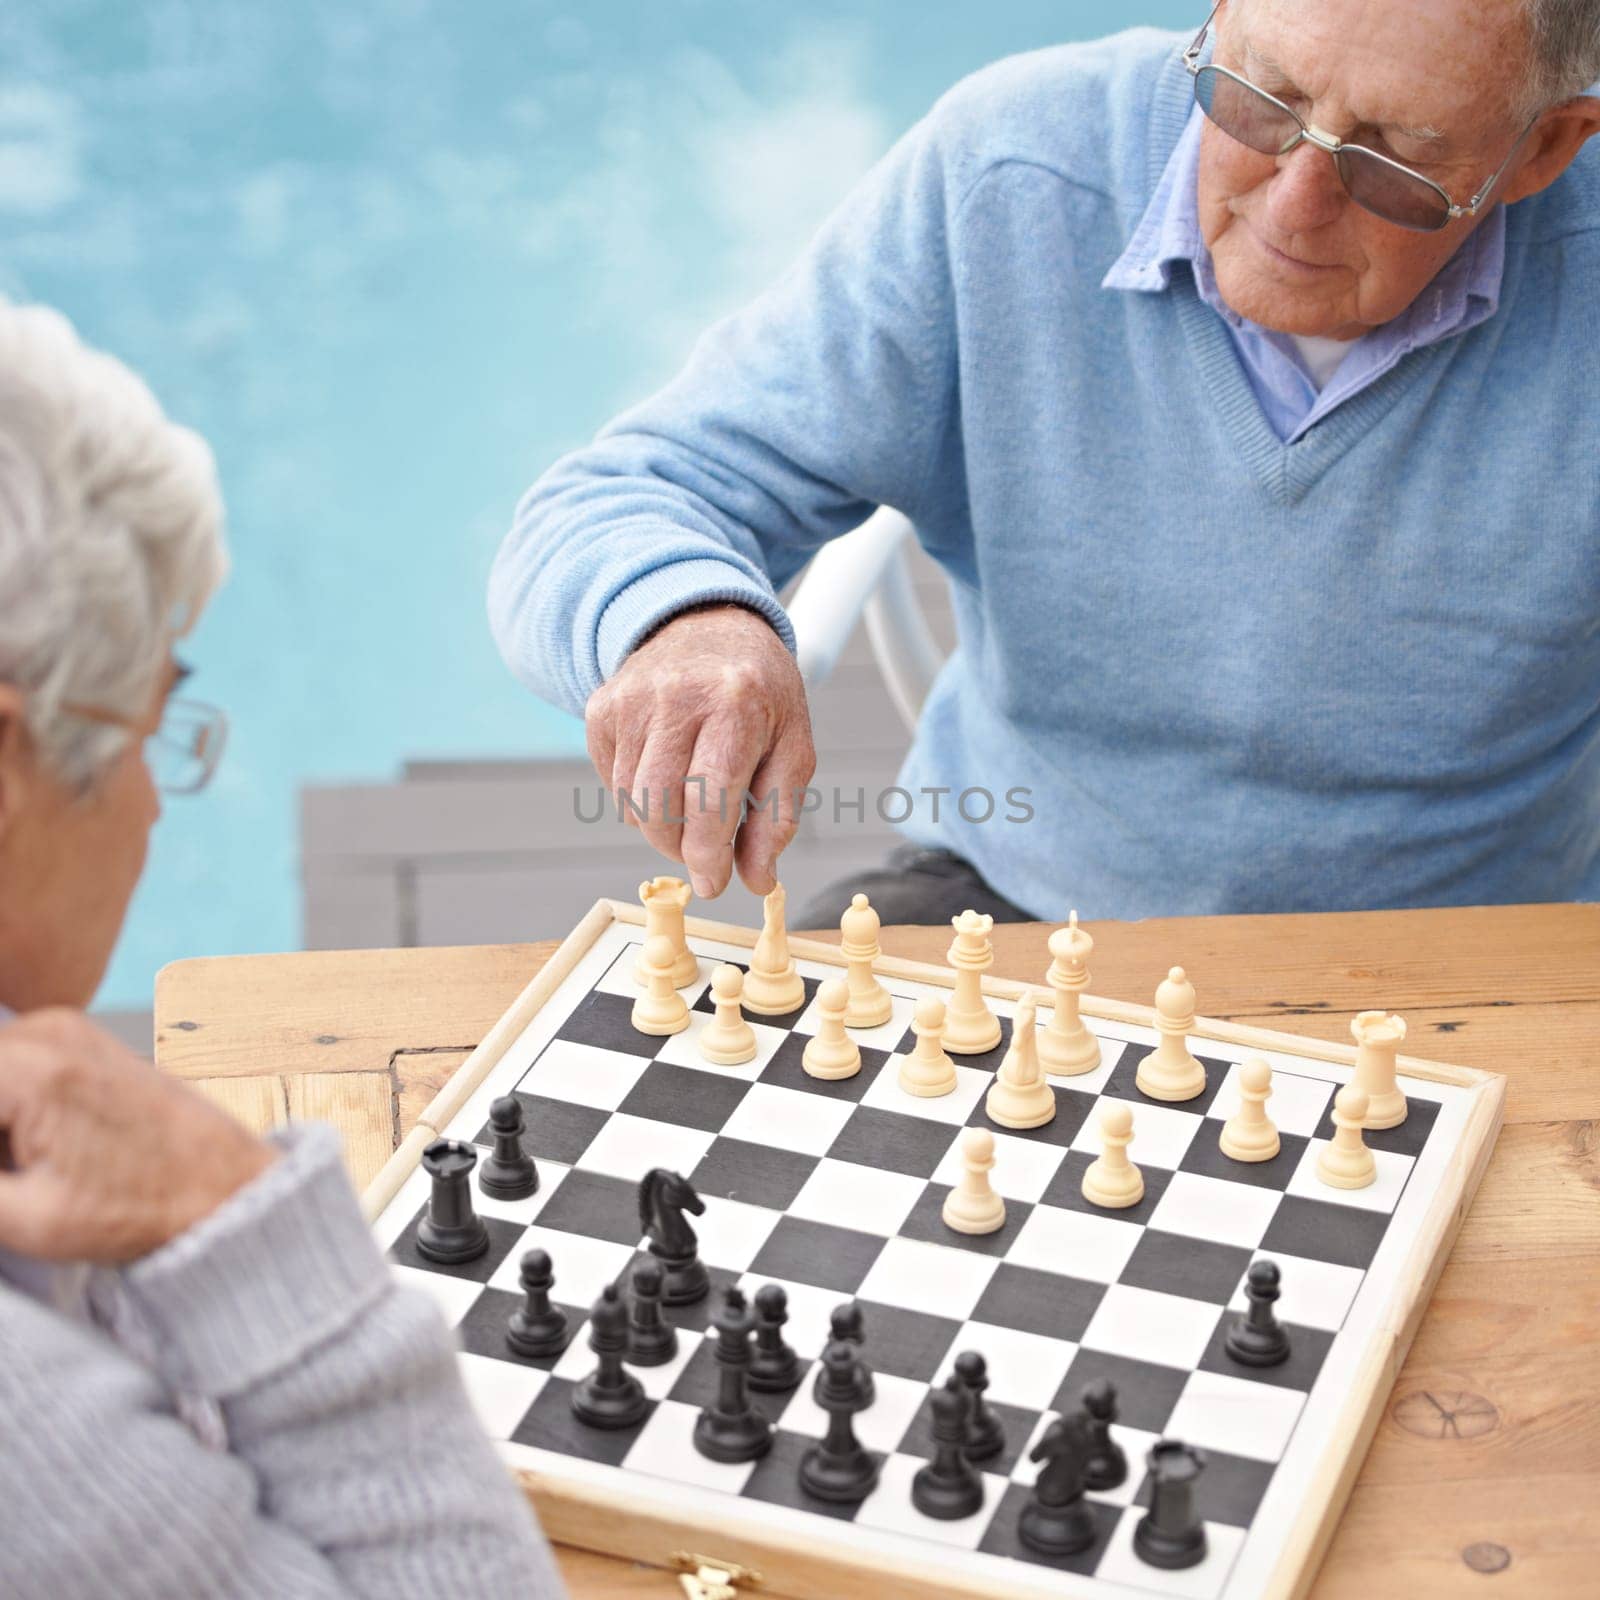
point(1467, 286)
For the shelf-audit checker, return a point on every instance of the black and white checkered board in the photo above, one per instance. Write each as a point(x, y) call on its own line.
point(834, 1190)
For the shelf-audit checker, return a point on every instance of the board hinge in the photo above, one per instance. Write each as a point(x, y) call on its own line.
point(706, 1578)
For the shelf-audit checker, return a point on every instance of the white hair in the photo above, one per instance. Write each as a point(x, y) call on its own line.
point(110, 537)
point(1564, 52)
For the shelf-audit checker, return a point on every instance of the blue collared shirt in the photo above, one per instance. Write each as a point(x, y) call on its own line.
point(1465, 292)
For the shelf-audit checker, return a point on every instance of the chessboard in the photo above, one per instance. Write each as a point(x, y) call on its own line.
point(833, 1189)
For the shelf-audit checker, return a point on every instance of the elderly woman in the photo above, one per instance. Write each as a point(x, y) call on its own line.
point(209, 1383)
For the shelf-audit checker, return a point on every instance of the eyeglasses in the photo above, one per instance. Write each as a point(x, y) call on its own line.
point(183, 749)
point(1375, 182)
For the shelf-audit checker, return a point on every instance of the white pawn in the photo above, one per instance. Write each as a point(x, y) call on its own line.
point(1112, 1180)
point(1249, 1135)
point(928, 1072)
point(830, 1052)
point(664, 900)
point(1067, 1047)
point(1021, 1096)
point(1169, 1072)
point(1345, 1162)
point(727, 1040)
point(1378, 1035)
point(870, 1005)
point(971, 1027)
point(774, 986)
point(973, 1206)
point(660, 1009)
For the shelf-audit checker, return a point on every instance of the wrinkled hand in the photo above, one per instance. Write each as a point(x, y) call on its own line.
point(109, 1159)
point(712, 695)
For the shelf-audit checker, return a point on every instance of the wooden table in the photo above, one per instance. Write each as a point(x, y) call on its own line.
point(1488, 1458)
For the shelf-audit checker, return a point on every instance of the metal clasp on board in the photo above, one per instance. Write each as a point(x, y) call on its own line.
point(704, 1578)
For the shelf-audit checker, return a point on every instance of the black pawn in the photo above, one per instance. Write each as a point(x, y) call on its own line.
point(452, 1232)
point(652, 1340)
point(947, 1488)
point(774, 1368)
point(536, 1327)
point(1055, 1521)
point(1170, 1535)
point(986, 1433)
point(1257, 1339)
point(610, 1397)
point(1107, 1465)
point(509, 1172)
point(846, 1323)
point(731, 1428)
point(838, 1469)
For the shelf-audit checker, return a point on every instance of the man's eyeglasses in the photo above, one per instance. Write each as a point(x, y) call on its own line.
point(1377, 183)
point(183, 749)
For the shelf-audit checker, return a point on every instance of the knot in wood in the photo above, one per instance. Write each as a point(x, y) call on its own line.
point(1437, 1414)
point(1485, 1557)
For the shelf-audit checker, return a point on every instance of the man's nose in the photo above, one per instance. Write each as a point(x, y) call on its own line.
point(1306, 191)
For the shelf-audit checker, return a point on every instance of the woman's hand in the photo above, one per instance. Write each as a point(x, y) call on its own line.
point(109, 1160)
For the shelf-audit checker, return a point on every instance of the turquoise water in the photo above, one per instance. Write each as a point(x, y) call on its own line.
point(391, 258)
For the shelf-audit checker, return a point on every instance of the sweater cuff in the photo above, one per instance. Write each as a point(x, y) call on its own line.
point(664, 591)
point(277, 1269)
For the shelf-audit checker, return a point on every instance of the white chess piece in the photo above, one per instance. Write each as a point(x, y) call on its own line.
point(973, 1206)
point(727, 1040)
point(773, 987)
point(870, 1005)
point(1169, 1072)
point(1378, 1035)
point(1067, 1047)
point(1346, 1162)
point(831, 1052)
point(660, 1009)
point(970, 1026)
point(1111, 1179)
point(664, 900)
point(1249, 1135)
point(1021, 1096)
point(928, 1072)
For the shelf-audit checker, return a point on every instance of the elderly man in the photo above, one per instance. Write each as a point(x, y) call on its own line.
point(210, 1383)
point(1242, 384)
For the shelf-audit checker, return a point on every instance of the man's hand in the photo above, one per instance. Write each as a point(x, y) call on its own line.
point(712, 695)
point(109, 1160)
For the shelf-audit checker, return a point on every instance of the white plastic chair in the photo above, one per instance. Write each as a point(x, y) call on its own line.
point(864, 575)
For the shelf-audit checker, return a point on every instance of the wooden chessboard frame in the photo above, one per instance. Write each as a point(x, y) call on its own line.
point(777, 1562)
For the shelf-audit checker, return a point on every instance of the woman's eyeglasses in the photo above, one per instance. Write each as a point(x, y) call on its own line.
point(182, 749)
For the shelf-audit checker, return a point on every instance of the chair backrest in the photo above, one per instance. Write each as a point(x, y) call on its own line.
point(864, 576)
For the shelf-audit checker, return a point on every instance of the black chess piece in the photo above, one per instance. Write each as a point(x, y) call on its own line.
point(1170, 1535)
point(509, 1172)
point(846, 1322)
point(537, 1328)
point(774, 1368)
point(652, 1340)
point(663, 1199)
point(948, 1488)
point(452, 1232)
point(839, 1469)
point(1258, 1339)
point(1055, 1521)
point(731, 1428)
point(610, 1397)
point(1108, 1464)
point(986, 1433)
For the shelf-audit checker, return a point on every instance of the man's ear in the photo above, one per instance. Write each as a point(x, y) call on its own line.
point(16, 755)
point(1556, 139)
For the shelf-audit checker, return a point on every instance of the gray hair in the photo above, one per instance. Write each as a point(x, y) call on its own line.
point(1564, 52)
point(110, 537)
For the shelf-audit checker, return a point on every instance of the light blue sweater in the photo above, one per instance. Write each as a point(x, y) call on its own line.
point(1359, 670)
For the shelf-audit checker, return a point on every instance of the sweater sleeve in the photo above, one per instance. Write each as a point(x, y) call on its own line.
point(793, 420)
point(353, 1467)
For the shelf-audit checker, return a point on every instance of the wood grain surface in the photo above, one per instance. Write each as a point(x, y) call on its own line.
point(1485, 1472)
